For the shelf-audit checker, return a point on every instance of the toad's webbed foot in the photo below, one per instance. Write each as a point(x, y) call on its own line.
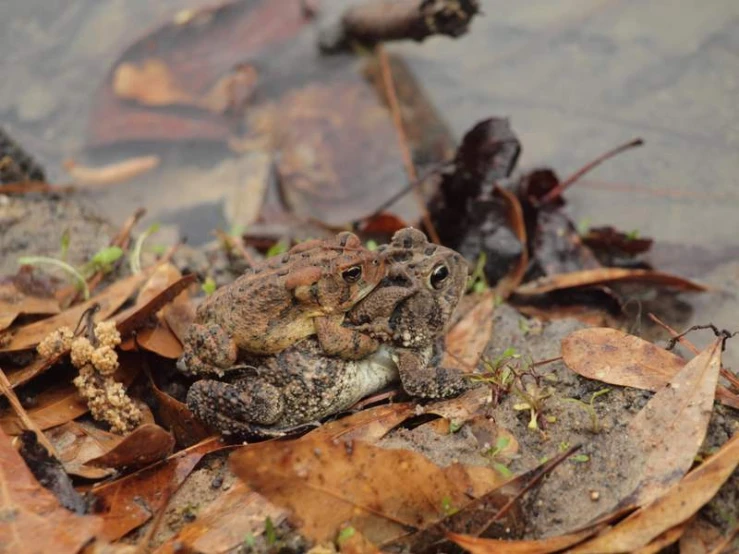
point(427, 380)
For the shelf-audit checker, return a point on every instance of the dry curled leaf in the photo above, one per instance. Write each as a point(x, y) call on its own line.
point(112, 173)
point(33, 520)
point(14, 303)
point(148, 443)
point(76, 443)
point(676, 505)
point(669, 430)
point(601, 276)
point(477, 545)
point(329, 483)
point(466, 341)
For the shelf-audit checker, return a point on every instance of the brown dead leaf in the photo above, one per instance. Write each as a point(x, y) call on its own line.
point(14, 303)
point(76, 443)
point(460, 408)
point(516, 222)
point(328, 483)
point(131, 501)
point(158, 339)
point(112, 173)
point(223, 524)
point(149, 83)
point(367, 425)
point(178, 418)
point(466, 341)
point(477, 545)
point(700, 537)
point(669, 430)
point(147, 444)
point(664, 540)
point(615, 357)
point(109, 300)
point(605, 275)
point(20, 375)
point(678, 503)
point(33, 522)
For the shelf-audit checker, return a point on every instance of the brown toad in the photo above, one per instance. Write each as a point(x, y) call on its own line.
point(306, 291)
point(410, 311)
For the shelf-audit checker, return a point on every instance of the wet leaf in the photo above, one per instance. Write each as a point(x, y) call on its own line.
point(606, 275)
point(33, 520)
point(466, 341)
point(615, 357)
point(328, 483)
point(148, 443)
point(477, 545)
point(676, 504)
point(76, 443)
point(669, 430)
point(129, 502)
point(224, 523)
point(14, 303)
point(109, 300)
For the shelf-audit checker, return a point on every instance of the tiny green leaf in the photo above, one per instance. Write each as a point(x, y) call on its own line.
point(455, 426)
point(447, 507)
point(209, 286)
point(502, 469)
point(270, 534)
point(580, 458)
point(276, 249)
point(371, 245)
point(250, 541)
point(65, 244)
point(107, 256)
point(345, 534)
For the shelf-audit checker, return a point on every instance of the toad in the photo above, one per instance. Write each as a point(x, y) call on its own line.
point(282, 300)
point(409, 313)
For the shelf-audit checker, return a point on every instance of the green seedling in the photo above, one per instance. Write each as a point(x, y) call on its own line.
point(477, 282)
point(250, 541)
point(589, 407)
point(277, 248)
point(583, 226)
point(345, 534)
point(493, 452)
point(134, 259)
point(209, 286)
point(372, 245)
point(532, 398)
point(580, 458)
point(66, 238)
point(102, 261)
point(633, 234)
point(270, 533)
point(455, 426)
point(40, 261)
point(447, 507)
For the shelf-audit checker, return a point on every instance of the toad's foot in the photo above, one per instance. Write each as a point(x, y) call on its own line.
point(208, 350)
point(234, 409)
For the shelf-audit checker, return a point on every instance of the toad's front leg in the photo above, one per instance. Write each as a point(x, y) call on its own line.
point(343, 342)
point(233, 408)
point(208, 350)
point(421, 377)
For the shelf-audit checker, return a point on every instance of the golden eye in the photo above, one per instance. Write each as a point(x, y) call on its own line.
point(438, 276)
point(352, 274)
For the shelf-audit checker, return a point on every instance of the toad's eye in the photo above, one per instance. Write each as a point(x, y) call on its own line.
point(352, 274)
point(438, 276)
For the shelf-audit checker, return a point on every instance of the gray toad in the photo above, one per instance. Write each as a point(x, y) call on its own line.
point(408, 313)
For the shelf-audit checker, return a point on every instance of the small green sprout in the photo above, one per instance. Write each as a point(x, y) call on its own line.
point(580, 458)
point(103, 260)
point(270, 533)
point(277, 248)
point(372, 245)
point(447, 507)
point(455, 426)
point(477, 282)
point(533, 397)
point(501, 443)
point(345, 534)
point(79, 280)
point(583, 226)
point(209, 286)
point(633, 234)
point(135, 257)
point(589, 407)
point(250, 540)
point(64, 245)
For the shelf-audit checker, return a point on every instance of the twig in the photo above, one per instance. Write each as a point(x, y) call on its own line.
point(392, 100)
point(143, 546)
point(7, 390)
point(679, 337)
point(237, 245)
point(557, 191)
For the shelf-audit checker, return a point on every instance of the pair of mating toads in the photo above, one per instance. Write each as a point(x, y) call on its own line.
point(308, 334)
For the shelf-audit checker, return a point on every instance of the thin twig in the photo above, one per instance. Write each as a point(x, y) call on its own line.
point(237, 245)
point(7, 389)
point(679, 337)
point(557, 191)
point(392, 100)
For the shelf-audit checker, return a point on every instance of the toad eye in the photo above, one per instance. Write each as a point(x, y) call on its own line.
point(352, 274)
point(438, 276)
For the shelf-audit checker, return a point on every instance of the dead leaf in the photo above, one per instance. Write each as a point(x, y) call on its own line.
point(112, 173)
point(33, 521)
point(14, 303)
point(516, 222)
point(590, 277)
point(224, 523)
point(615, 357)
point(76, 443)
point(366, 425)
point(109, 300)
point(700, 537)
point(460, 408)
point(149, 83)
point(327, 483)
point(129, 502)
point(477, 545)
point(669, 430)
point(664, 540)
point(148, 443)
point(466, 341)
point(676, 505)
point(178, 418)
